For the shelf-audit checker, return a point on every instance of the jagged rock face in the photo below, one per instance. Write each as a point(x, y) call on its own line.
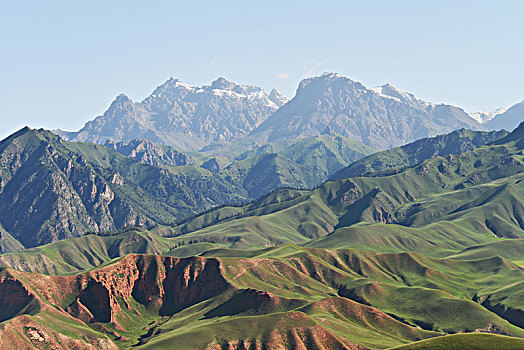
point(164, 284)
point(36, 195)
point(182, 115)
point(14, 298)
point(382, 117)
point(50, 190)
point(147, 152)
point(278, 98)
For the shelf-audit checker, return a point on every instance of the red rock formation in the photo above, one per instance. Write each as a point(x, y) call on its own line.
point(15, 298)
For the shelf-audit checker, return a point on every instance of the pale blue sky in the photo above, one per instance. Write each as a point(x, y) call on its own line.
point(63, 62)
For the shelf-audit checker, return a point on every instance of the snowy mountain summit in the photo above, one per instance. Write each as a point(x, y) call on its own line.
point(380, 117)
point(182, 115)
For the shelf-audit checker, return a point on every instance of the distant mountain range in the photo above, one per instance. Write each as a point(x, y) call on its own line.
point(382, 118)
point(182, 115)
point(191, 118)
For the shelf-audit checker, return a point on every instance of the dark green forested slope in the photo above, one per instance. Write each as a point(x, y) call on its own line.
point(51, 189)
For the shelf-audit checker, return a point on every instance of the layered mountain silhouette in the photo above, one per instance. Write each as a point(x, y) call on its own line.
point(190, 117)
point(52, 189)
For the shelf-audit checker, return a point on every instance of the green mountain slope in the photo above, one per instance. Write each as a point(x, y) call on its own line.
point(51, 189)
point(302, 163)
point(8, 243)
point(279, 296)
point(399, 158)
point(87, 252)
point(440, 206)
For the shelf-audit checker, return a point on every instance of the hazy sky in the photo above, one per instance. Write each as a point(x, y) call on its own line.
point(63, 62)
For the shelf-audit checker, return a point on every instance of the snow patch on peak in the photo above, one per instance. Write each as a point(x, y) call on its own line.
point(278, 98)
point(172, 85)
point(180, 84)
point(392, 92)
point(332, 75)
point(249, 91)
point(483, 117)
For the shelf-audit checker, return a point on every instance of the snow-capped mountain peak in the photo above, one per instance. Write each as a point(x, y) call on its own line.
point(392, 92)
point(483, 117)
point(278, 98)
point(382, 117)
point(182, 115)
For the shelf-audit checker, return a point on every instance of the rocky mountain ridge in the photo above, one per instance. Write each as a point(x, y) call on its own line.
point(382, 117)
point(150, 153)
point(51, 189)
point(191, 117)
point(182, 115)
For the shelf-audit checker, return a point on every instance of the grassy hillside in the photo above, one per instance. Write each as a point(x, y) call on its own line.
point(286, 295)
point(303, 163)
point(51, 189)
point(84, 253)
point(440, 206)
point(399, 158)
point(477, 341)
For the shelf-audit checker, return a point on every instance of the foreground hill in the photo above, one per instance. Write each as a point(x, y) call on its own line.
point(292, 297)
point(382, 118)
